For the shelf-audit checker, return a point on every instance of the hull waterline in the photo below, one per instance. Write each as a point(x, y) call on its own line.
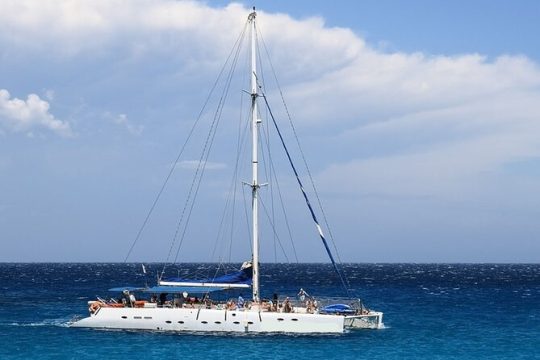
point(214, 320)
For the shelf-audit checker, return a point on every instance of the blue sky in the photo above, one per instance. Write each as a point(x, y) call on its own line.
point(420, 120)
point(437, 27)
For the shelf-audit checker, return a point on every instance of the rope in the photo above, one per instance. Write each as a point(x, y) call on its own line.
point(208, 144)
point(274, 230)
point(282, 203)
point(303, 158)
point(314, 217)
point(171, 171)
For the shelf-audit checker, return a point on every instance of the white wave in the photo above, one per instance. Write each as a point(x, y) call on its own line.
point(47, 322)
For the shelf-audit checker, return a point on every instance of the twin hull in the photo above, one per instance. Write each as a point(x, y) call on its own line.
point(214, 320)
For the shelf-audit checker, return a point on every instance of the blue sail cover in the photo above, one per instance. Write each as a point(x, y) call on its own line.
point(241, 277)
point(128, 288)
point(181, 289)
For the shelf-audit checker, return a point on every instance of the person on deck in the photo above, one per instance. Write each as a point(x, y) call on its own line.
point(178, 301)
point(275, 304)
point(162, 299)
point(240, 302)
point(287, 307)
point(126, 298)
point(302, 294)
point(132, 300)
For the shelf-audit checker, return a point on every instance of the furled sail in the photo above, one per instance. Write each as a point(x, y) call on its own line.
point(238, 279)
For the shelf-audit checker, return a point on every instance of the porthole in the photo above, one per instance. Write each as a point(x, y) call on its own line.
point(148, 317)
point(137, 317)
point(294, 319)
point(204, 322)
point(233, 314)
point(168, 321)
point(280, 319)
point(124, 317)
point(250, 322)
point(236, 322)
point(180, 322)
point(217, 322)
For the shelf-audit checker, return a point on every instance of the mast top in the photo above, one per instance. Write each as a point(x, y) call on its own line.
point(251, 16)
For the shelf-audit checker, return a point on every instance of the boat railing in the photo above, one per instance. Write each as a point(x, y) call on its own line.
point(296, 304)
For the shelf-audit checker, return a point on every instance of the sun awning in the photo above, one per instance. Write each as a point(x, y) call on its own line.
point(128, 288)
point(238, 279)
point(181, 289)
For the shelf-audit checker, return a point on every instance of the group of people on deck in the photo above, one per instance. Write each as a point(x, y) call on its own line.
point(185, 301)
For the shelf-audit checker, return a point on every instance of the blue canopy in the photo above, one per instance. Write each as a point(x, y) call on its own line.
point(338, 309)
point(128, 288)
point(244, 276)
point(181, 289)
point(170, 289)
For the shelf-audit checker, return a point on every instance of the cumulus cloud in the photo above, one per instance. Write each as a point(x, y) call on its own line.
point(449, 142)
point(24, 116)
point(123, 121)
point(434, 121)
point(98, 26)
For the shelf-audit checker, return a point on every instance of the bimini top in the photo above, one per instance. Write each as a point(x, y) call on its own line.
point(169, 289)
point(236, 280)
point(128, 288)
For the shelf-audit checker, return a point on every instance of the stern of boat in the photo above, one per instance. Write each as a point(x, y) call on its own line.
point(371, 320)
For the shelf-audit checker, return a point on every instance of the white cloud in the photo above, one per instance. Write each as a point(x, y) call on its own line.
point(448, 144)
point(23, 116)
point(101, 25)
point(123, 121)
point(436, 121)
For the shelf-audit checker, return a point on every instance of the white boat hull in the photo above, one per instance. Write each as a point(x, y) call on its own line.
point(213, 320)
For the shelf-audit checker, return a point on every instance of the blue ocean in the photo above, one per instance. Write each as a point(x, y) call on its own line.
point(432, 311)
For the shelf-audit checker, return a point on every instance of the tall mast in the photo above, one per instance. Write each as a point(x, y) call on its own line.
point(254, 158)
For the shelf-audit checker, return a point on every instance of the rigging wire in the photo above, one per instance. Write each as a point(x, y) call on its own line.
point(177, 159)
point(282, 203)
point(231, 194)
point(209, 141)
point(270, 178)
point(319, 202)
point(274, 231)
point(232, 191)
point(203, 161)
point(339, 273)
point(192, 130)
point(234, 53)
point(247, 126)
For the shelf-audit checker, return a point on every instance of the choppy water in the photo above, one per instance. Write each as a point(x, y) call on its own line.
point(434, 311)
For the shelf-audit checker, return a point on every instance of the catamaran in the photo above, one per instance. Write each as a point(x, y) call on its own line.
point(192, 309)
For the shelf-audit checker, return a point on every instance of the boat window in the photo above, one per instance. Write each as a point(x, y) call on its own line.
point(280, 319)
point(217, 322)
point(168, 321)
point(148, 317)
point(237, 322)
point(294, 319)
point(180, 322)
point(124, 317)
point(137, 317)
point(204, 322)
point(250, 322)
